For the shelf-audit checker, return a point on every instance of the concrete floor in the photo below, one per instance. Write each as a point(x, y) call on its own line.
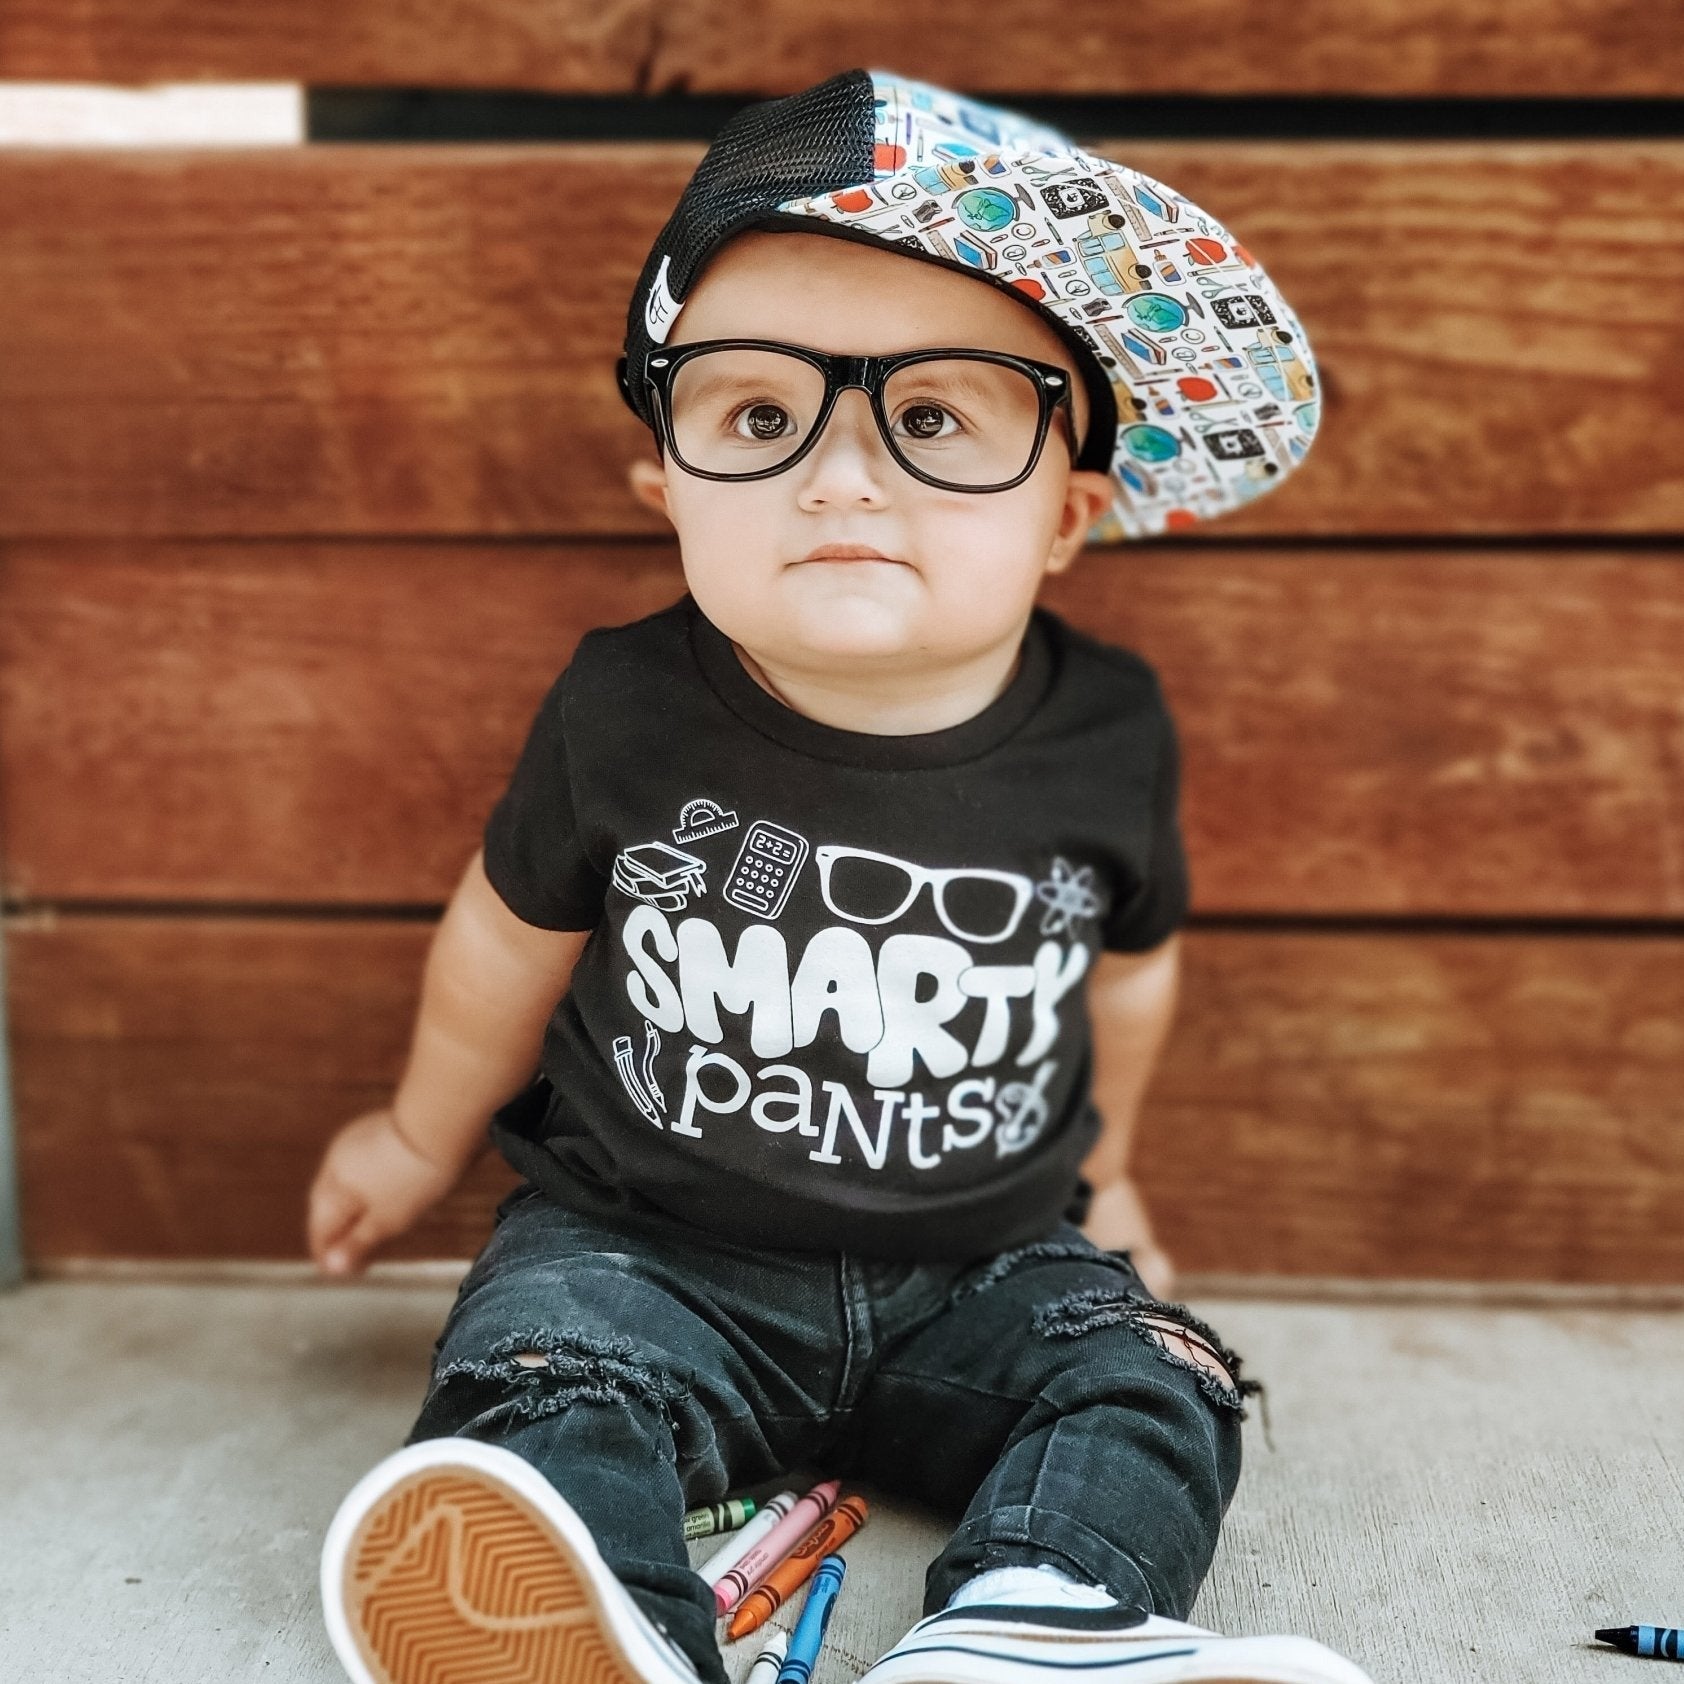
point(1447, 1491)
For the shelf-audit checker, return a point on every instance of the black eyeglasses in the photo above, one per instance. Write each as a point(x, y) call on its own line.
point(745, 409)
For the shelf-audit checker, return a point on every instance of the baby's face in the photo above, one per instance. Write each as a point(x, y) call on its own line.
point(964, 567)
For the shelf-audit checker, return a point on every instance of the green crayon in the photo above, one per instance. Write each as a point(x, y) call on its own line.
point(718, 1517)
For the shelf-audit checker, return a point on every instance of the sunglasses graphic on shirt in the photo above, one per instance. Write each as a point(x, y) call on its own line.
point(973, 903)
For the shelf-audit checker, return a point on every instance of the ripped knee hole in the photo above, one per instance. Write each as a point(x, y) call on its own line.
point(549, 1371)
point(1173, 1336)
point(1180, 1336)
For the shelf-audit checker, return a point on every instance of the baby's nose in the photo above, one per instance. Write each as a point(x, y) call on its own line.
point(852, 422)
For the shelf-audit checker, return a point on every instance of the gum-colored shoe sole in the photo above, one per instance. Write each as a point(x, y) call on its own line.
point(453, 1577)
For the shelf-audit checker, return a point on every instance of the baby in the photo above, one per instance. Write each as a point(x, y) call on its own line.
point(792, 901)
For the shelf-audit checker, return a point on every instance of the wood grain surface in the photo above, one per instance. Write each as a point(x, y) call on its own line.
point(399, 340)
point(1476, 1107)
point(314, 472)
point(1560, 47)
point(1417, 731)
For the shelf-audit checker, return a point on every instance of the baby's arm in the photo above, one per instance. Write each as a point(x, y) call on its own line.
point(1133, 1001)
point(492, 980)
point(490, 985)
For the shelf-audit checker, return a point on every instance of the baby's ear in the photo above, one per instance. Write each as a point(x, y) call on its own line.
point(648, 482)
point(1087, 495)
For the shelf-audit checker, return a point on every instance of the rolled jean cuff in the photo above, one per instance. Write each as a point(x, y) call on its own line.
point(1021, 1536)
point(679, 1602)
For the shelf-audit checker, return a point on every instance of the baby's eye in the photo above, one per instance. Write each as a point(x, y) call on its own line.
point(923, 420)
point(766, 421)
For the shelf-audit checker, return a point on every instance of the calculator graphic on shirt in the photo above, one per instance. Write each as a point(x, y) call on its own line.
point(766, 868)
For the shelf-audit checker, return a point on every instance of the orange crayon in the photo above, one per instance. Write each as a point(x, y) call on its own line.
point(798, 1566)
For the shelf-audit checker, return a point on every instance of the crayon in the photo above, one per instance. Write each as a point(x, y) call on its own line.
point(770, 1660)
point(815, 1616)
point(1662, 1643)
point(740, 1543)
point(754, 1564)
point(795, 1569)
point(728, 1516)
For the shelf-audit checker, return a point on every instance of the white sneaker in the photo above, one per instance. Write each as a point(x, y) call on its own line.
point(992, 1644)
point(456, 1560)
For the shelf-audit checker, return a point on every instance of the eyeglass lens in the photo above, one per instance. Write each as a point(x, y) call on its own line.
point(962, 420)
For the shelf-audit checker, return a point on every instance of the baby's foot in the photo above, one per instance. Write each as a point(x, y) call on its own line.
point(456, 1559)
point(982, 1643)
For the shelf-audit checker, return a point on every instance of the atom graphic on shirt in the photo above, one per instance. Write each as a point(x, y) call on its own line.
point(1069, 895)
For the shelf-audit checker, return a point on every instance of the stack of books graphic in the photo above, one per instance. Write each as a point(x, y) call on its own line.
point(660, 874)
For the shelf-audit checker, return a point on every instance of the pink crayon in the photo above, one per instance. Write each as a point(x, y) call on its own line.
point(732, 1586)
point(735, 1548)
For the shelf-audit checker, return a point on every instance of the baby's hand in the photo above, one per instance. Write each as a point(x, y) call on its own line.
point(1117, 1221)
point(371, 1185)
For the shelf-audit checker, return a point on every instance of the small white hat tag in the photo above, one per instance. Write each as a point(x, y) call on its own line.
point(660, 307)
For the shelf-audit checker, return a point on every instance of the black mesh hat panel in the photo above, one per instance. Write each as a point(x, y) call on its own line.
point(815, 141)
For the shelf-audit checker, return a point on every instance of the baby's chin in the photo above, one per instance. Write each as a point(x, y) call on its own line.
point(857, 608)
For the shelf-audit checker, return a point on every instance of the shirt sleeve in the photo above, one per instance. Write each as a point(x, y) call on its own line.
point(534, 855)
point(1158, 906)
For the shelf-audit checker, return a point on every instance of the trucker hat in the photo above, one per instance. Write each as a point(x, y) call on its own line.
point(1202, 387)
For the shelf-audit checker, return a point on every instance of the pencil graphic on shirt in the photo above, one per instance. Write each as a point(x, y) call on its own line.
point(757, 1562)
point(625, 1063)
point(795, 1569)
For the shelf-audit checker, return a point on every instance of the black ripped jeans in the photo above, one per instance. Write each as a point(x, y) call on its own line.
point(648, 1370)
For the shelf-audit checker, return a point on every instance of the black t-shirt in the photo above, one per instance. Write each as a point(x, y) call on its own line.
point(834, 997)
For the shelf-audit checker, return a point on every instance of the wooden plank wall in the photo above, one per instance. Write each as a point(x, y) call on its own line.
point(312, 473)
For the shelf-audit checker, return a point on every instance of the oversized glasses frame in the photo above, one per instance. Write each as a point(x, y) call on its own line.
point(917, 876)
point(868, 374)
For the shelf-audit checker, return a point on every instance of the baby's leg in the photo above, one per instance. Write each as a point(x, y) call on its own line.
point(617, 1366)
point(1074, 1419)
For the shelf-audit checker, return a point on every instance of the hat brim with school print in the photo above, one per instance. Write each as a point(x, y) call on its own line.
point(1201, 383)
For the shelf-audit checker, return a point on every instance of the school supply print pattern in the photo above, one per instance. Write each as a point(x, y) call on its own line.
point(1215, 384)
point(852, 987)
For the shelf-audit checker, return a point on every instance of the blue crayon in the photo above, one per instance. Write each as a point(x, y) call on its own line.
point(1661, 1643)
point(815, 1616)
